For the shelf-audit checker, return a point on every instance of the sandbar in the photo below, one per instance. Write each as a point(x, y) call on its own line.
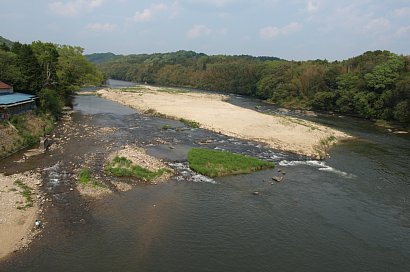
point(213, 112)
point(17, 223)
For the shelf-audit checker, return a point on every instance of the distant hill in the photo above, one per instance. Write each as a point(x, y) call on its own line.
point(5, 41)
point(101, 57)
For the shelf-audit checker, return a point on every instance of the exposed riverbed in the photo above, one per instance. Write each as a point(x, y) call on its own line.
point(350, 212)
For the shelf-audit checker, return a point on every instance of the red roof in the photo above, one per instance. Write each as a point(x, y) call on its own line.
point(4, 85)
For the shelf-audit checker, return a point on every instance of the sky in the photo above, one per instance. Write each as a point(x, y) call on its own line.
point(293, 29)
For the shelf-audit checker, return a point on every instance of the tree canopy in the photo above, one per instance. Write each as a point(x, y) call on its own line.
point(52, 72)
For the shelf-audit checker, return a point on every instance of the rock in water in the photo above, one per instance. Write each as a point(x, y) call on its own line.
point(277, 178)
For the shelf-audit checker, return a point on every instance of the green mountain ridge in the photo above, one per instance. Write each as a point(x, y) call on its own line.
point(171, 57)
point(101, 57)
point(5, 41)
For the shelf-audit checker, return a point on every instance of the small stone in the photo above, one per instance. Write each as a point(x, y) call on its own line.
point(277, 178)
point(256, 193)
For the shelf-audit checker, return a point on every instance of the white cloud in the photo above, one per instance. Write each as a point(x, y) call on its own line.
point(198, 31)
point(149, 13)
point(355, 19)
point(312, 6)
point(271, 32)
point(97, 27)
point(377, 25)
point(73, 8)
point(403, 12)
point(217, 3)
point(402, 31)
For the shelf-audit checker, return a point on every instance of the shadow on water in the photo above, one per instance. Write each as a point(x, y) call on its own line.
point(348, 213)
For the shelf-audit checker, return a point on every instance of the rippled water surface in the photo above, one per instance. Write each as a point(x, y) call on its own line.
point(350, 212)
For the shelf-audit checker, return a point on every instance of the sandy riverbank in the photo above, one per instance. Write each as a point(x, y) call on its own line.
point(16, 222)
point(213, 113)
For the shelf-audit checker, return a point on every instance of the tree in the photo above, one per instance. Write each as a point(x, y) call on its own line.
point(9, 71)
point(74, 69)
point(402, 112)
point(385, 75)
point(51, 101)
point(47, 57)
point(29, 68)
point(324, 101)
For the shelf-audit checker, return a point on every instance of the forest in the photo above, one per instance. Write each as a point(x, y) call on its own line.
point(52, 72)
point(374, 85)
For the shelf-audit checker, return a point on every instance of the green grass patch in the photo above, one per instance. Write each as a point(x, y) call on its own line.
point(123, 167)
point(26, 192)
point(214, 163)
point(85, 178)
point(189, 123)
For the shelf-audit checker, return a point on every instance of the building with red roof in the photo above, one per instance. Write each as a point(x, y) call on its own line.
point(5, 88)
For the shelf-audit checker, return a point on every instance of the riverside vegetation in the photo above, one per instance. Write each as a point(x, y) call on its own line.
point(26, 192)
point(374, 85)
point(123, 167)
point(22, 131)
point(51, 72)
point(215, 163)
point(85, 178)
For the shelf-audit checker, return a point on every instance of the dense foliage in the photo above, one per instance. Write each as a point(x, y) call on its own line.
point(52, 72)
point(5, 41)
point(374, 85)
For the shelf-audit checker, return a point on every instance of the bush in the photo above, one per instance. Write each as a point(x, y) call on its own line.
point(51, 101)
point(402, 112)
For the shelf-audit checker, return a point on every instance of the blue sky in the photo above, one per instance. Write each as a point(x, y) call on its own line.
point(293, 29)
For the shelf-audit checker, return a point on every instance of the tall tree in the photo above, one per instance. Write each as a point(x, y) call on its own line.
point(29, 68)
point(47, 57)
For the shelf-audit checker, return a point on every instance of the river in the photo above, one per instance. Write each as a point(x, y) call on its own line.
point(350, 212)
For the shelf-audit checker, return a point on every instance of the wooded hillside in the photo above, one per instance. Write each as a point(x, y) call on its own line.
point(5, 41)
point(374, 85)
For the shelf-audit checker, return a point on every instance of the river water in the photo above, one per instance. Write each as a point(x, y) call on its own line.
point(350, 212)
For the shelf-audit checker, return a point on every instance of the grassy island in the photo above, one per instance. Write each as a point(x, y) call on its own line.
point(215, 163)
point(123, 167)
